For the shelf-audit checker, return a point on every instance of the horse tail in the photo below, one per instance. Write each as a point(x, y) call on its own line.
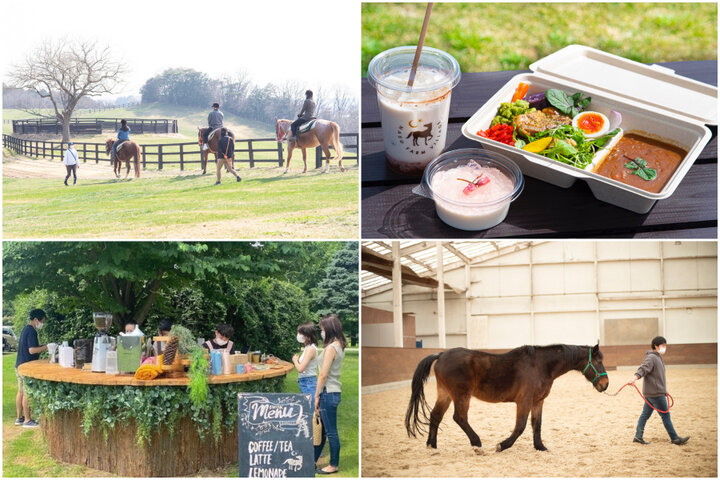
point(336, 141)
point(418, 412)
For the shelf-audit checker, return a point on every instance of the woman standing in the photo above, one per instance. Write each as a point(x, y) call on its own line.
point(327, 393)
point(71, 163)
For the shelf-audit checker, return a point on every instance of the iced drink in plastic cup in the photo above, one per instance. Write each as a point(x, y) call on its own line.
point(414, 119)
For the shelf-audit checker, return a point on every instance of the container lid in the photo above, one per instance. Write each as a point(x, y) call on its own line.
point(652, 85)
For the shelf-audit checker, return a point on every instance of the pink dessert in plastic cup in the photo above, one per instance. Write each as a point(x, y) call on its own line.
point(481, 199)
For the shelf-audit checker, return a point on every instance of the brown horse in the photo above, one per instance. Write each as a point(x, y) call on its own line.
point(127, 150)
point(324, 134)
point(523, 375)
point(212, 146)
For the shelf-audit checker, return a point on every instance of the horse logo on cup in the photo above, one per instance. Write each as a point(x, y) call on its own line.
point(423, 138)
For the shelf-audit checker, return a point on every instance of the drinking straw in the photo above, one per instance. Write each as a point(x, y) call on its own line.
point(418, 50)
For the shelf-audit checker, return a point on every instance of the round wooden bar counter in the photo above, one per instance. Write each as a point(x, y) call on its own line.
point(180, 453)
point(53, 372)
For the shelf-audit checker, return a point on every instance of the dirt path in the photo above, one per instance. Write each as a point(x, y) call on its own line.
point(587, 434)
point(23, 167)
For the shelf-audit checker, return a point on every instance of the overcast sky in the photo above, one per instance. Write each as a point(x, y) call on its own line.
point(316, 42)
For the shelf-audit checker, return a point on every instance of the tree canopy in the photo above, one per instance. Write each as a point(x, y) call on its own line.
point(263, 289)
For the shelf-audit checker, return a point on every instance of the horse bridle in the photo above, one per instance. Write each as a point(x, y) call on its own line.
point(597, 374)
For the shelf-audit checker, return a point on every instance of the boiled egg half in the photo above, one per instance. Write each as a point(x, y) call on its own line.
point(592, 124)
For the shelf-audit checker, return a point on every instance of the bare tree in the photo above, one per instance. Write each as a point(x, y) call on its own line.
point(65, 71)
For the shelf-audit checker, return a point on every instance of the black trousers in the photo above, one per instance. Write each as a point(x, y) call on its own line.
point(296, 124)
point(71, 170)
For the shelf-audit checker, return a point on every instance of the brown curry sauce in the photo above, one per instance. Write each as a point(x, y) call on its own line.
point(661, 156)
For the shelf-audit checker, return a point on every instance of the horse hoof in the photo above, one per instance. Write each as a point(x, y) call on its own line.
point(499, 448)
point(478, 451)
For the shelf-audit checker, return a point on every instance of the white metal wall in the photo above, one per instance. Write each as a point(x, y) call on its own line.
point(564, 292)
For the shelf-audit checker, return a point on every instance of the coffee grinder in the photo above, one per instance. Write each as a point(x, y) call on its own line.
point(102, 341)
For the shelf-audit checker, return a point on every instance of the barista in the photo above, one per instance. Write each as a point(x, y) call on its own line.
point(29, 349)
point(163, 331)
point(222, 341)
point(131, 328)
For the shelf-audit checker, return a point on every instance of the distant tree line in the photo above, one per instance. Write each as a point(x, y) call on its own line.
point(238, 95)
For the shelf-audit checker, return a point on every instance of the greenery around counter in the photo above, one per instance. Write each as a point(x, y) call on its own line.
point(486, 37)
point(104, 407)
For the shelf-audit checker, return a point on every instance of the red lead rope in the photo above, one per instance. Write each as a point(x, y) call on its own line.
point(672, 401)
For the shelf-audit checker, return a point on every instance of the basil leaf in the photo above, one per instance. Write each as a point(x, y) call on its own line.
point(560, 100)
point(639, 167)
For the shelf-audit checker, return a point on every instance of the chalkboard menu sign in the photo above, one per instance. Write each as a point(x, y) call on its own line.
point(275, 435)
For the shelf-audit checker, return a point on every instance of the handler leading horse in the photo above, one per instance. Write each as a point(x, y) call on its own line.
point(127, 150)
point(324, 133)
point(212, 143)
point(523, 375)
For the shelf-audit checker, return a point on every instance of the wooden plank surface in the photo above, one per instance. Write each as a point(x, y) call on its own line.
point(389, 209)
point(44, 370)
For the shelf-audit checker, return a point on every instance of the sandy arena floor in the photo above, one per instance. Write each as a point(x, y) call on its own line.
point(587, 434)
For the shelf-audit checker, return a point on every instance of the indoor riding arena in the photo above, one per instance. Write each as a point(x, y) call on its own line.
point(423, 297)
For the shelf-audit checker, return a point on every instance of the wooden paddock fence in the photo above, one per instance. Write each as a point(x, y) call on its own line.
point(94, 126)
point(252, 151)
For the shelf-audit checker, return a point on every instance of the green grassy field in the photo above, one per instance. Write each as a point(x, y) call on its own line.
point(502, 36)
point(266, 204)
point(25, 453)
point(175, 204)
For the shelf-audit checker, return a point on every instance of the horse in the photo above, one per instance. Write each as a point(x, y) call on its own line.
point(523, 375)
point(324, 133)
point(128, 149)
point(421, 134)
point(212, 145)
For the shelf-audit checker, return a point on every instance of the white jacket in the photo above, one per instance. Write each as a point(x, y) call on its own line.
point(71, 157)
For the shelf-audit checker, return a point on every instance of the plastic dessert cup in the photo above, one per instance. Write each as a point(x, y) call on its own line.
point(478, 208)
point(414, 119)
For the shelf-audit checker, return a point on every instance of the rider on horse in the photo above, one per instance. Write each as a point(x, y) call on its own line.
point(123, 135)
point(306, 114)
point(215, 120)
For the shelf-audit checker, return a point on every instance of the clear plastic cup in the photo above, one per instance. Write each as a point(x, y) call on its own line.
point(414, 119)
point(481, 209)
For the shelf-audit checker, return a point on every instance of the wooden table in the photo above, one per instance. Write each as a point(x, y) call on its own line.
point(166, 454)
point(391, 210)
point(53, 372)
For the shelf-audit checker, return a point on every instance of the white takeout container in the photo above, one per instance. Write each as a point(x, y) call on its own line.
point(471, 215)
point(653, 101)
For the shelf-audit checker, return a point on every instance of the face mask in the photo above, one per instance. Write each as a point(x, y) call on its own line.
point(300, 338)
point(322, 334)
point(662, 350)
point(220, 342)
point(39, 326)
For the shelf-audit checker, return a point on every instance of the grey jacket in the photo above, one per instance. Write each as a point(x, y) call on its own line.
point(215, 119)
point(652, 370)
point(308, 110)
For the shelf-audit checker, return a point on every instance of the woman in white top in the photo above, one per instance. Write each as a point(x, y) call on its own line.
point(327, 393)
point(71, 163)
point(306, 363)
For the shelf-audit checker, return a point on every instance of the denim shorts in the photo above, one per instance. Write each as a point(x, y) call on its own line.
point(308, 385)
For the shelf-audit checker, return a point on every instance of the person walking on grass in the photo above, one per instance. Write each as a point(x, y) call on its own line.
point(654, 390)
point(226, 155)
point(71, 163)
point(327, 392)
point(29, 349)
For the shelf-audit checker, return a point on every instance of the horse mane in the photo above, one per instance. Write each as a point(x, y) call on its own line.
point(571, 353)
